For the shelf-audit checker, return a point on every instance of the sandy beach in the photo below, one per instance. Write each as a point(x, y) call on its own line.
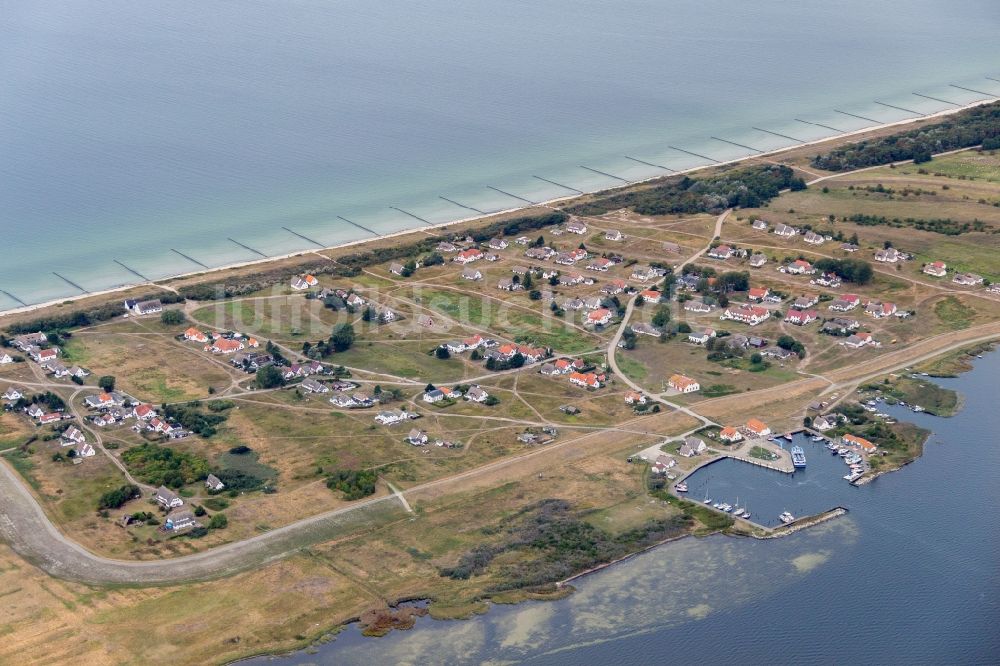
point(164, 283)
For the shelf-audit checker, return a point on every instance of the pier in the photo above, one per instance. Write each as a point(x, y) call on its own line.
point(363, 228)
point(132, 270)
point(305, 238)
point(191, 259)
point(70, 282)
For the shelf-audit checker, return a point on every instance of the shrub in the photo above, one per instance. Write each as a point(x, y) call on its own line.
point(355, 484)
point(115, 499)
point(172, 317)
point(218, 522)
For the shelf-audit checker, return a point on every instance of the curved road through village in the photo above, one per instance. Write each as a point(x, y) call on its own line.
point(24, 525)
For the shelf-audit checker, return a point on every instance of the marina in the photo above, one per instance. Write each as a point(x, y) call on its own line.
point(663, 597)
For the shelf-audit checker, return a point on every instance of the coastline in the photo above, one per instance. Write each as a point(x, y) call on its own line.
point(164, 282)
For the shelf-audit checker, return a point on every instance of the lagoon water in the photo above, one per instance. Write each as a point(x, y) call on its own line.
point(129, 130)
point(908, 576)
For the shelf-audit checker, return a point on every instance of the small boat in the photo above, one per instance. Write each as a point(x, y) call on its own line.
point(737, 510)
point(786, 517)
point(671, 477)
point(681, 487)
point(717, 505)
point(798, 456)
point(817, 438)
point(843, 452)
point(746, 514)
point(707, 501)
point(918, 408)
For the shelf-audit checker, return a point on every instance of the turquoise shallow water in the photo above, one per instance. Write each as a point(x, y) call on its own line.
point(908, 576)
point(128, 129)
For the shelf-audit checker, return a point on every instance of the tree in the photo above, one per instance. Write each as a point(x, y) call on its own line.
point(107, 382)
point(756, 358)
point(527, 282)
point(429, 387)
point(535, 295)
point(629, 338)
point(662, 316)
point(442, 353)
point(408, 268)
point(218, 522)
point(172, 317)
point(639, 300)
point(786, 342)
point(199, 510)
point(342, 337)
point(368, 314)
point(270, 377)
point(684, 327)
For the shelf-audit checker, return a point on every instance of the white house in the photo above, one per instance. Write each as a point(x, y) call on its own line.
point(146, 307)
point(751, 315)
point(784, 230)
point(936, 268)
point(469, 273)
point(576, 227)
point(721, 252)
point(391, 416)
point(614, 235)
point(5, 358)
point(12, 394)
point(683, 384)
point(759, 225)
point(213, 483)
point(167, 498)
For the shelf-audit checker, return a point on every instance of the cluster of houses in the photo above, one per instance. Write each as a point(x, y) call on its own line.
point(940, 269)
point(468, 344)
point(438, 394)
point(303, 282)
point(229, 342)
point(36, 346)
point(579, 372)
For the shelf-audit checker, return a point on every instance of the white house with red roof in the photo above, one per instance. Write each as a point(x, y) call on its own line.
point(144, 412)
point(225, 346)
point(758, 294)
point(194, 335)
point(721, 252)
point(587, 380)
point(651, 296)
point(758, 428)
point(936, 268)
point(599, 317)
point(683, 384)
point(801, 317)
point(730, 434)
point(747, 314)
point(800, 267)
point(468, 256)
